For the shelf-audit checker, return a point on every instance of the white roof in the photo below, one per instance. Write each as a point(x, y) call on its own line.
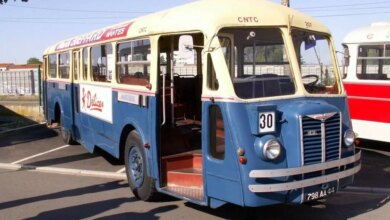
point(206, 16)
point(376, 32)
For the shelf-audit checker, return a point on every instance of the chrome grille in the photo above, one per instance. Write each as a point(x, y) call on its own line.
point(320, 135)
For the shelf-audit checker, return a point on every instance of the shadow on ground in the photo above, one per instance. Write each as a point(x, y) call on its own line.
point(336, 209)
point(11, 120)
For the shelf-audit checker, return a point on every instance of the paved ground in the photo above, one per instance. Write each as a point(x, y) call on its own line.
point(39, 146)
point(37, 195)
point(74, 187)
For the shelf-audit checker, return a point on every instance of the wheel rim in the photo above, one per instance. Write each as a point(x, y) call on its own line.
point(136, 166)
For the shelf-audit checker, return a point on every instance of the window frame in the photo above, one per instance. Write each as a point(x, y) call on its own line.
point(146, 63)
point(65, 65)
point(49, 64)
point(361, 62)
point(103, 71)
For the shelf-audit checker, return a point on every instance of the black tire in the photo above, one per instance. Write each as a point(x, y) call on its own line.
point(66, 135)
point(140, 183)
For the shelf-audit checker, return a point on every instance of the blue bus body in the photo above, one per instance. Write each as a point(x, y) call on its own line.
point(251, 124)
point(241, 125)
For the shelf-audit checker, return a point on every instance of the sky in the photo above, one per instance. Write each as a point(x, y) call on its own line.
point(26, 29)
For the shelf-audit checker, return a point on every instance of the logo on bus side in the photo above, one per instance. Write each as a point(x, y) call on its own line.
point(248, 19)
point(96, 101)
point(91, 102)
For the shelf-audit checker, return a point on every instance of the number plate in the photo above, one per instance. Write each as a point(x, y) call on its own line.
point(266, 122)
point(319, 194)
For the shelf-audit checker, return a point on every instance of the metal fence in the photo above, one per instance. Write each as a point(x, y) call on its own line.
point(19, 82)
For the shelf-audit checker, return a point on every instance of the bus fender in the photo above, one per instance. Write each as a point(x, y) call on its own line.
point(128, 126)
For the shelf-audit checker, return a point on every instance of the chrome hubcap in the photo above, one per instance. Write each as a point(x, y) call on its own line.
point(136, 166)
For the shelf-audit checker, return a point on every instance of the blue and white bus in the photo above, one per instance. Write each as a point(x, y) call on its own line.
point(213, 102)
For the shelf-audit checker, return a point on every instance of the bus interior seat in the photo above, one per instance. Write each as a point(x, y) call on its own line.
point(131, 80)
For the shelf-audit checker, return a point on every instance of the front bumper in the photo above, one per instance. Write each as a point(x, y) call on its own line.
point(262, 188)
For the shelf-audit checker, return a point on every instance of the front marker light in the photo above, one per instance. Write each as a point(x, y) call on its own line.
point(272, 149)
point(349, 137)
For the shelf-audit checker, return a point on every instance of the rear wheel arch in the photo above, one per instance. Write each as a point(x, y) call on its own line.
point(122, 141)
point(57, 113)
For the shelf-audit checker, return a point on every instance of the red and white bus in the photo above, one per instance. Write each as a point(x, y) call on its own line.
point(367, 80)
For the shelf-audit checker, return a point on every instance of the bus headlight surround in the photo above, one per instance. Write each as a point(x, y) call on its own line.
point(272, 149)
point(268, 148)
point(349, 137)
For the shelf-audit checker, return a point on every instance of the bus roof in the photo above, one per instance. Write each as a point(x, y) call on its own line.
point(206, 16)
point(376, 32)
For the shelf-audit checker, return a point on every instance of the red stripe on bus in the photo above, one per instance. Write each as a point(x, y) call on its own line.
point(96, 36)
point(369, 102)
point(368, 90)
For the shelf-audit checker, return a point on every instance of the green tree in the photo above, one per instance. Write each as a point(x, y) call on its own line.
point(33, 60)
point(5, 1)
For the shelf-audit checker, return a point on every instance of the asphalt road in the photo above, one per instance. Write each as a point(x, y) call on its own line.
point(41, 178)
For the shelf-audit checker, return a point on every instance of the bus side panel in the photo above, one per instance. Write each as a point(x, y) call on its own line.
point(59, 94)
point(369, 102)
point(81, 129)
point(129, 114)
point(222, 176)
point(65, 93)
point(44, 99)
point(50, 100)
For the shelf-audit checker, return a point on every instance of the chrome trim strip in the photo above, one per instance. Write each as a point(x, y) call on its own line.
point(323, 142)
point(301, 139)
point(303, 183)
point(304, 169)
point(322, 117)
point(341, 134)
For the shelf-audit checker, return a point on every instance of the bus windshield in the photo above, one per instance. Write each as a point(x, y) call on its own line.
point(316, 65)
point(258, 66)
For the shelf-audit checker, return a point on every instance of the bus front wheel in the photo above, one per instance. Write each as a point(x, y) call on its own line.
point(140, 183)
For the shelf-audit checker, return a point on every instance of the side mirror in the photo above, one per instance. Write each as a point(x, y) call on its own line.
point(186, 45)
point(310, 41)
point(346, 55)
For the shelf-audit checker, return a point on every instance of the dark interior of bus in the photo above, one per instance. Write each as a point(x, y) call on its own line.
point(180, 111)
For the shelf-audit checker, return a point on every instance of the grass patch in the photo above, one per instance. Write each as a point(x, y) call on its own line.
point(19, 98)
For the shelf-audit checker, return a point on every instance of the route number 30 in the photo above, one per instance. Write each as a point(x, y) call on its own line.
point(266, 122)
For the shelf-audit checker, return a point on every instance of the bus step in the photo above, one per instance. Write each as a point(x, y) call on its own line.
point(187, 192)
point(189, 177)
point(191, 159)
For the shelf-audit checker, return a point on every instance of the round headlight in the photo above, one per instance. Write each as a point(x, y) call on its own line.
point(272, 149)
point(349, 138)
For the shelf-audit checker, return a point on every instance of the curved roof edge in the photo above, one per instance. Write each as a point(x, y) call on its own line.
point(206, 16)
point(376, 32)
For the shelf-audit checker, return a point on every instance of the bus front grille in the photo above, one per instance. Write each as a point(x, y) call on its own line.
point(320, 137)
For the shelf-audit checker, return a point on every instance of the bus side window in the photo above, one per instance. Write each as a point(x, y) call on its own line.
point(372, 63)
point(217, 133)
point(52, 68)
point(76, 63)
point(100, 56)
point(44, 68)
point(64, 65)
point(85, 63)
point(133, 62)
